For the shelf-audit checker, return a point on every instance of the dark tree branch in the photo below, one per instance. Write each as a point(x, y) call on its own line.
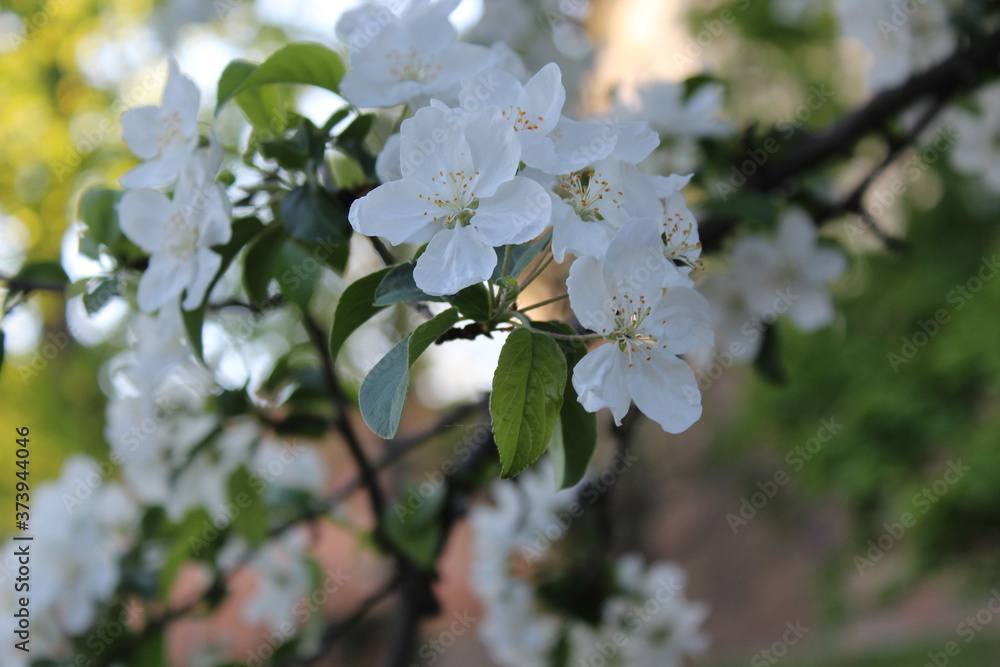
point(343, 424)
point(962, 72)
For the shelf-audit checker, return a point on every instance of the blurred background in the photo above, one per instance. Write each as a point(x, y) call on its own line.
point(785, 503)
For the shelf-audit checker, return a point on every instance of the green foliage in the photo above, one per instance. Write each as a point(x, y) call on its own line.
point(301, 63)
point(383, 391)
point(527, 395)
point(398, 286)
point(417, 531)
point(356, 306)
point(914, 382)
point(310, 213)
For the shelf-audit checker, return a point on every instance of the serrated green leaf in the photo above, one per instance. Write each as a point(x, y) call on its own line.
point(356, 306)
point(299, 63)
point(398, 286)
point(574, 438)
point(383, 391)
point(528, 389)
point(574, 443)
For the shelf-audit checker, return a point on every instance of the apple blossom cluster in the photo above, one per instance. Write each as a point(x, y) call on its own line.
point(788, 274)
point(179, 231)
point(499, 166)
point(645, 618)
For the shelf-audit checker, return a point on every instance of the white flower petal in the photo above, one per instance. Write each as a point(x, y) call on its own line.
point(164, 279)
point(454, 259)
point(589, 296)
point(136, 124)
point(401, 211)
point(181, 95)
point(207, 264)
point(144, 216)
point(664, 388)
point(495, 151)
point(600, 381)
point(682, 320)
point(520, 210)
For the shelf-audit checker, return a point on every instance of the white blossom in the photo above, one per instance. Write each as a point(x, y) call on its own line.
point(460, 194)
point(179, 233)
point(78, 508)
point(164, 136)
point(398, 58)
point(624, 300)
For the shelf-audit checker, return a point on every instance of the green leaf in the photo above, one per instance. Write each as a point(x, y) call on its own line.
point(105, 289)
point(3, 338)
point(574, 438)
point(413, 524)
point(399, 287)
point(311, 213)
point(521, 257)
point(528, 389)
point(383, 391)
point(260, 262)
point(302, 63)
point(356, 306)
point(251, 521)
point(473, 302)
point(352, 142)
point(263, 106)
point(98, 210)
